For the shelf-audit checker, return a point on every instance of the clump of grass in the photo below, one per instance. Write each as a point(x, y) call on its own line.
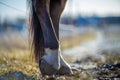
point(17, 61)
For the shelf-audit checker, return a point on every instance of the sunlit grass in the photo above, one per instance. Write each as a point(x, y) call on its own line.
point(17, 60)
point(73, 40)
point(15, 53)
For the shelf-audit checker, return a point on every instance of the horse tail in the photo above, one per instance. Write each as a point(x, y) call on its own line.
point(36, 34)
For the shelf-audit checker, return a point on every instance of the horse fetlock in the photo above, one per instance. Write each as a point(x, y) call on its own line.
point(52, 58)
point(55, 59)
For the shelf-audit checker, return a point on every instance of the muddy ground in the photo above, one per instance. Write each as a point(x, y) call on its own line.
point(91, 72)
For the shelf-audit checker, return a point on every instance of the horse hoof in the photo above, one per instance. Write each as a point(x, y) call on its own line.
point(65, 71)
point(46, 69)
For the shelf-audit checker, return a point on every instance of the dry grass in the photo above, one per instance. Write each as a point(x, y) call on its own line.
point(17, 60)
point(15, 53)
point(73, 40)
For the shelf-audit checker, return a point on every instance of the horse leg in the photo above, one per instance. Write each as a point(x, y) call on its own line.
point(50, 38)
point(42, 10)
point(56, 9)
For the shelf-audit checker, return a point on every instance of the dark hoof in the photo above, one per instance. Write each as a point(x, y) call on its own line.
point(64, 71)
point(51, 78)
point(46, 69)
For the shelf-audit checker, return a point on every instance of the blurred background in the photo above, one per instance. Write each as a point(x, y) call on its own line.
point(89, 32)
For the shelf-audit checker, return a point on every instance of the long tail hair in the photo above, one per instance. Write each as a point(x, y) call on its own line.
point(36, 34)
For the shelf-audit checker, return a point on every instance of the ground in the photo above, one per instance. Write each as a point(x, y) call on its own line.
point(16, 62)
point(14, 68)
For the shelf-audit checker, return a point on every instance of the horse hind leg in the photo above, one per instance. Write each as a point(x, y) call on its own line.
point(56, 9)
point(42, 10)
point(50, 29)
point(49, 64)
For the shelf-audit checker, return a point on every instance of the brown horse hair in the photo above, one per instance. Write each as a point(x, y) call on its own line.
point(35, 32)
